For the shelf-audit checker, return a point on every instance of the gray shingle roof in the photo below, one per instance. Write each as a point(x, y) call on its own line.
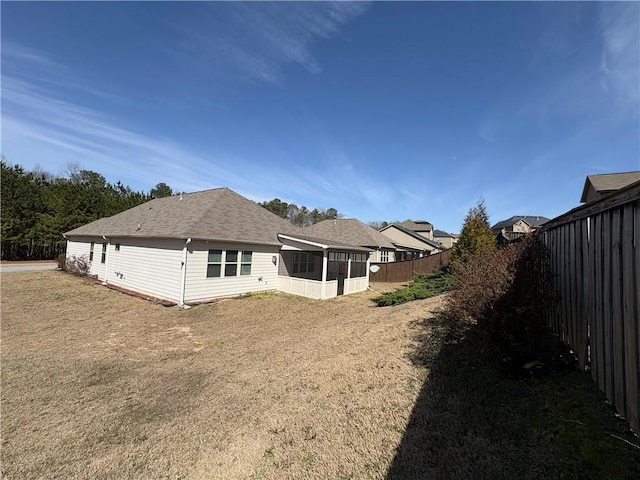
point(442, 233)
point(609, 182)
point(352, 231)
point(329, 243)
point(533, 221)
point(218, 214)
point(416, 225)
point(415, 235)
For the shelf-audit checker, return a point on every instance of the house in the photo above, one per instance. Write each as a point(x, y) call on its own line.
point(446, 239)
point(354, 232)
point(516, 227)
point(421, 227)
point(200, 246)
point(597, 186)
point(519, 224)
point(409, 244)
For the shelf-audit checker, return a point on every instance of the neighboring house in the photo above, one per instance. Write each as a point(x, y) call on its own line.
point(519, 224)
point(200, 246)
point(354, 232)
point(516, 227)
point(408, 243)
point(597, 186)
point(446, 239)
point(421, 227)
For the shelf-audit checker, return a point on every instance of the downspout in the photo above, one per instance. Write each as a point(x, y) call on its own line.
point(106, 261)
point(183, 278)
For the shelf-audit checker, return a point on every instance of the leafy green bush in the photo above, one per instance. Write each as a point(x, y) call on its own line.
point(420, 287)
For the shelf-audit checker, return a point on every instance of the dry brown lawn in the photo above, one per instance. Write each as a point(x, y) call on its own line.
point(97, 384)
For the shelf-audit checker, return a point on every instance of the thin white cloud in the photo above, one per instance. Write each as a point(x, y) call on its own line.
point(620, 64)
point(42, 126)
point(33, 114)
point(258, 40)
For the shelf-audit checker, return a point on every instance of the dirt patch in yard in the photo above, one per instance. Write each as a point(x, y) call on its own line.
point(97, 384)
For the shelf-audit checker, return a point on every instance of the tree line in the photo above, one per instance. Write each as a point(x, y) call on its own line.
point(38, 207)
point(300, 216)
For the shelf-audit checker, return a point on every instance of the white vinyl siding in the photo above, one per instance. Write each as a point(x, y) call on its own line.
point(149, 266)
point(398, 236)
point(254, 272)
point(82, 246)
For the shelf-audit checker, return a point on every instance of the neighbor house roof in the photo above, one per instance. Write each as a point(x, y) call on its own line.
point(608, 182)
point(415, 235)
point(321, 242)
point(218, 214)
point(442, 233)
point(416, 225)
point(350, 230)
point(533, 221)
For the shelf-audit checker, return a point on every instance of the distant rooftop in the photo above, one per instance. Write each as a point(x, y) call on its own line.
point(533, 221)
point(608, 182)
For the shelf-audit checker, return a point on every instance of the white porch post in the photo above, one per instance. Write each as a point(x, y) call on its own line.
point(368, 266)
point(324, 273)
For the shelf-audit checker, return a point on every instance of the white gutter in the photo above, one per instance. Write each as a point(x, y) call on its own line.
point(306, 242)
point(183, 278)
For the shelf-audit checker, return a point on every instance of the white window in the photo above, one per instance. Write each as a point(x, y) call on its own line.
point(93, 244)
point(384, 255)
point(227, 261)
point(245, 265)
point(214, 263)
point(103, 259)
point(231, 263)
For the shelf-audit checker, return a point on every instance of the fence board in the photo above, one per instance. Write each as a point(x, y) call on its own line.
point(616, 312)
point(565, 293)
point(405, 270)
point(595, 255)
point(608, 304)
point(571, 281)
point(632, 320)
point(598, 326)
point(581, 346)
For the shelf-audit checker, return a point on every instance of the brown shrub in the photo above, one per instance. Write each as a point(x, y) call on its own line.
point(481, 282)
point(77, 265)
point(508, 291)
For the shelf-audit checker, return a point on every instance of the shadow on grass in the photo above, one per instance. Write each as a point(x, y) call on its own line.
point(472, 422)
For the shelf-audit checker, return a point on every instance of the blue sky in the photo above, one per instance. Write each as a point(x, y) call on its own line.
point(384, 111)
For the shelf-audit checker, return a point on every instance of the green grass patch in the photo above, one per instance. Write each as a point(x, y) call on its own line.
point(420, 287)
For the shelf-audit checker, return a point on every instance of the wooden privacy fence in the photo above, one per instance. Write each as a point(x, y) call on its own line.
point(403, 271)
point(595, 255)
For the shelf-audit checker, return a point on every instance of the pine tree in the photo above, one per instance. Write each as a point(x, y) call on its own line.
point(476, 235)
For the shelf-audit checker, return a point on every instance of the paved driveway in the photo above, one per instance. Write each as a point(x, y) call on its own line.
point(26, 267)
